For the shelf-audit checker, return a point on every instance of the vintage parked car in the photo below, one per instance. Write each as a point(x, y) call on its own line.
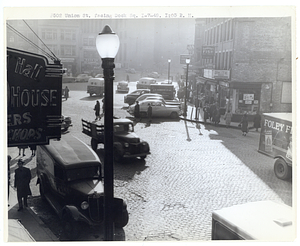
point(122, 86)
point(66, 123)
point(131, 97)
point(153, 75)
point(82, 78)
point(69, 174)
point(127, 143)
point(159, 109)
point(150, 96)
point(130, 70)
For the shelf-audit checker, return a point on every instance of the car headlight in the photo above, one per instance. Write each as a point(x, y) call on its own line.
point(84, 205)
point(126, 145)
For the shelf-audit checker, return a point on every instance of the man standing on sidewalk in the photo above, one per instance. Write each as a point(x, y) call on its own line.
point(149, 113)
point(22, 180)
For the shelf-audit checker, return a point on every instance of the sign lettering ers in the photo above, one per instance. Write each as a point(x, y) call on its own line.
point(33, 98)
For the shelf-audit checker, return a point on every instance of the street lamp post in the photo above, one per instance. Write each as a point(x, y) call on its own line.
point(187, 61)
point(107, 43)
point(169, 62)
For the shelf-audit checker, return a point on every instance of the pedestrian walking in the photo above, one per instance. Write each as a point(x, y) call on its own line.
point(33, 149)
point(22, 180)
point(257, 120)
point(244, 124)
point(211, 111)
point(23, 148)
point(227, 118)
point(206, 112)
point(137, 111)
point(103, 106)
point(127, 78)
point(66, 92)
point(8, 175)
point(216, 116)
point(149, 113)
point(97, 110)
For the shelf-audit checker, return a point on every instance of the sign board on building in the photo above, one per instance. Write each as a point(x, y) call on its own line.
point(208, 73)
point(208, 52)
point(248, 97)
point(183, 58)
point(221, 74)
point(34, 93)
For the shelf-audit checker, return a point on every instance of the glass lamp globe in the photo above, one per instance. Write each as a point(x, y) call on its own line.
point(107, 43)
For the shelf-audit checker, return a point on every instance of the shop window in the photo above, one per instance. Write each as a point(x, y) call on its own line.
point(286, 93)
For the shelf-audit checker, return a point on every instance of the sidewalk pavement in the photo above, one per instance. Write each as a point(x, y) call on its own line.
point(192, 116)
point(27, 217)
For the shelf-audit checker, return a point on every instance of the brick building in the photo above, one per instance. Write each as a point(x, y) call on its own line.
point(244, 64)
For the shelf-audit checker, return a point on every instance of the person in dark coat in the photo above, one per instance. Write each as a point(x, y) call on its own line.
point(33, 149)
point(22, 148)
point(66, 92)
point(22, 180)
point(244, 124)
point(149, 112)
point(97, 110)
point(216, 116)
point(256, 121)
point(206, 113)
point(137, 111)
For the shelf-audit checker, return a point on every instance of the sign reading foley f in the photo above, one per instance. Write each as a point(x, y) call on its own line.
point(34, 90)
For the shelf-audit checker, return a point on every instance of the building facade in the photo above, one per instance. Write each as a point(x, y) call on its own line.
point(244, 64)
point(145, 44)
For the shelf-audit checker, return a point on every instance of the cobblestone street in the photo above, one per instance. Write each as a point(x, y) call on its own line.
point(184, 181)
point(171, 194)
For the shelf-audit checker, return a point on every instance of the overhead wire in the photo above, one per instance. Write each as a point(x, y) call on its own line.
point(54, 58)
point(41, 40)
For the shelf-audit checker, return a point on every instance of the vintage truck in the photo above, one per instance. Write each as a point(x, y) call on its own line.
point(127, 144)
point(276, 141)
point(69, 174)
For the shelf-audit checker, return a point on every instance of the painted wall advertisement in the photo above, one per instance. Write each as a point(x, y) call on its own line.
point(276, 135)
point(34, 98)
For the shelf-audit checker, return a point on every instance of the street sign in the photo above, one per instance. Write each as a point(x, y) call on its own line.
point(208, 52)
point(183, 58)
point(34, 93)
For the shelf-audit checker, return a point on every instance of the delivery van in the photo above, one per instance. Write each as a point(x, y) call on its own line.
point(145, 83)
point(261, 220)
point(166, 90)
point(276, 142)
point(95, 86)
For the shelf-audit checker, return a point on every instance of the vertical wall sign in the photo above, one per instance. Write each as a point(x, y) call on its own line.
point(34, 98)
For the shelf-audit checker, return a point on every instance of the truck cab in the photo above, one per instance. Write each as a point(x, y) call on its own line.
point(70, 179)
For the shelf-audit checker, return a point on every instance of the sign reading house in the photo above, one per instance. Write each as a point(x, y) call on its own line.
point(34, 90)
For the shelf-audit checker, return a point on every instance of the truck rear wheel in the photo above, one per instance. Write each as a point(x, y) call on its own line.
point(282, 170)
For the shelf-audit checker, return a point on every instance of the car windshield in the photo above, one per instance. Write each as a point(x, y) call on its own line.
point(83, 173)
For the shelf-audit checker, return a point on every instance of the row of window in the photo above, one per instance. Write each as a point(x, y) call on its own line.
point(222, 60)
point(65, 34)
point(63, 50)
point(219, 33)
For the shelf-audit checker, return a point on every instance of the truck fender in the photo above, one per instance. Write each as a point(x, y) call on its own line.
point(288, 162)
point(71, 212)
